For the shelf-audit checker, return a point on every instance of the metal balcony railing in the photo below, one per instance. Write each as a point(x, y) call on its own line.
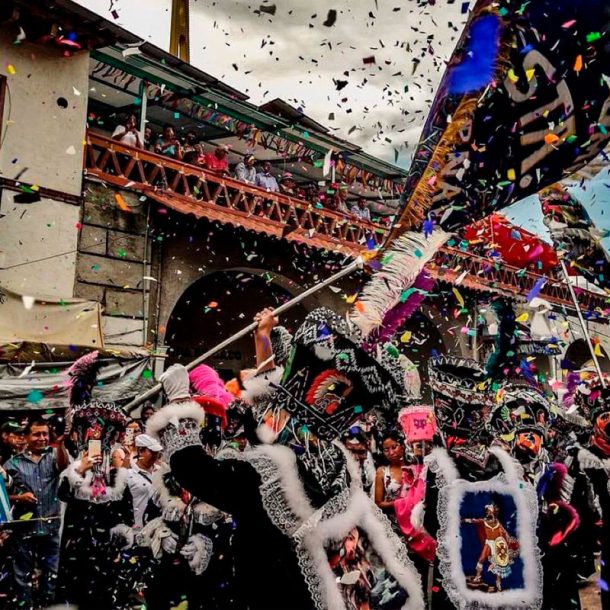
point(192, 190)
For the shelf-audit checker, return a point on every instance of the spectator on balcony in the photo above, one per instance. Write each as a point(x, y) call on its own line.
point(288, 185)
point(192, 150)
point(149, 138)
point(339, 198)
point(128, 133)
point(266, 180)
point(168, 144)
point(245, 170)
point(218, 161)
point(360, 210)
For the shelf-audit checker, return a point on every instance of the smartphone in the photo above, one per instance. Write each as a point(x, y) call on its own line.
point(94, 448)
point(128, 439)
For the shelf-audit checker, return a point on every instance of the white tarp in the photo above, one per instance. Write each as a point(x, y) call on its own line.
point(52, 321)
point(44, 385)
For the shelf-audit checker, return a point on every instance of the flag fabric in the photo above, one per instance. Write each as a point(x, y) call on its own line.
point(523, 103)
point(575, 236)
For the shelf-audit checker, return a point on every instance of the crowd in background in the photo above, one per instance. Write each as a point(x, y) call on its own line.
point(35, 454)
point(190, 149)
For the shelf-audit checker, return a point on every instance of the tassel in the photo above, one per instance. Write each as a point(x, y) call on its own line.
point(406, 259)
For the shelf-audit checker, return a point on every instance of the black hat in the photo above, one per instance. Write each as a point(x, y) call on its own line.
point(329, 381)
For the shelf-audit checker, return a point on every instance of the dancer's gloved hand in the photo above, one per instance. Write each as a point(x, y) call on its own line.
point(169, 541)
point(122, 534)
point(198, 552)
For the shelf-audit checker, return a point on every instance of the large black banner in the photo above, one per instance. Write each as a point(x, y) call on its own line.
point(523, 103)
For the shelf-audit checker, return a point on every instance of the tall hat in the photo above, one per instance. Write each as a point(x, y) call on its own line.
point(522, 419)
point(329, 381)
point(461, 396)
point(88, 418)
point(93, 423)
point(418, 423)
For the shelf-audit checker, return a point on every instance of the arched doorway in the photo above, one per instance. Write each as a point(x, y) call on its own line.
point(217, 306)
point(578, 355)
point(419, 339)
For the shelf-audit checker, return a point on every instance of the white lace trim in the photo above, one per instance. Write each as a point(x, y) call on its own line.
point(82, 485)
point(282, 492)
point(449, 539)
point(177, 426)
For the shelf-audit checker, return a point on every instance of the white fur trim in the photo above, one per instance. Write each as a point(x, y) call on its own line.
point(82, 485)
point(417, 515)
point(406, 258)
point(265, 434)
point(259, 386)
point(289, 480)
point(439, 461)
point(361, 513)
point(172, 414)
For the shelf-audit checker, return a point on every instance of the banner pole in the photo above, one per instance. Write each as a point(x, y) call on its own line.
point(356, 264)
point(583, 325)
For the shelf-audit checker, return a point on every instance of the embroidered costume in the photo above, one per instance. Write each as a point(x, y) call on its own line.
point(303, 523)
point(91, 574)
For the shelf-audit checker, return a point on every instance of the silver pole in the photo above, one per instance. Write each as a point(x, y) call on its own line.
point(583, 325)
point(356, 264)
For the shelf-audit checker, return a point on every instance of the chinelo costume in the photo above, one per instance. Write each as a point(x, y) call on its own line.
point(181, 534)
point(478, 506)
point(590, 466)
point(521, 422)
point(96, 503)
point(306, 535)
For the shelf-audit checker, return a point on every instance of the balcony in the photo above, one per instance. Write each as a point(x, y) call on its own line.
point(191, 190)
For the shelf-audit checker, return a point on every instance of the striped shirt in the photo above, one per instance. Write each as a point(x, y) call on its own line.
point(42, 479)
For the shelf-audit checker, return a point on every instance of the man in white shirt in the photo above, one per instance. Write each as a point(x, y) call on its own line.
point(361, 211)
point(128, 134)
point(140, 474)
point(245, 170)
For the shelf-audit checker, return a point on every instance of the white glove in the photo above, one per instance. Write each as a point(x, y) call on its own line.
point(198, 552)
point(120, 533)
point(169, 541)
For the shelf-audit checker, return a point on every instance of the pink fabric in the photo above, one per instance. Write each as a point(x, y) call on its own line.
point(418, 541)
point(418, 423)
point(206, 382)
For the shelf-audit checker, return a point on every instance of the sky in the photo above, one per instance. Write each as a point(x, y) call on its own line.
point(369, 72)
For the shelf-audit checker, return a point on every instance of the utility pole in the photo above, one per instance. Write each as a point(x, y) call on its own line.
point(179, 44)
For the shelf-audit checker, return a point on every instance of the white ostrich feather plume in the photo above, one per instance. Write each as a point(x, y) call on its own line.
point(407, 257)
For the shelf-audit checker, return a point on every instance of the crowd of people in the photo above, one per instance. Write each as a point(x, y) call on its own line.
point(190, 149)
point(218, 499)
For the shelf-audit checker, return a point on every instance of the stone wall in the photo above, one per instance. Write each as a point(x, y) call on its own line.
point(110, 266)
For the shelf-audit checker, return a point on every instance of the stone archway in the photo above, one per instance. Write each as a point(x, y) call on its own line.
point(218, 305)
point(578, 354)
point(424, 340)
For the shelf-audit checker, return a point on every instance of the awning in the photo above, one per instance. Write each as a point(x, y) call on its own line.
point(48, 320)
point(44, 385)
